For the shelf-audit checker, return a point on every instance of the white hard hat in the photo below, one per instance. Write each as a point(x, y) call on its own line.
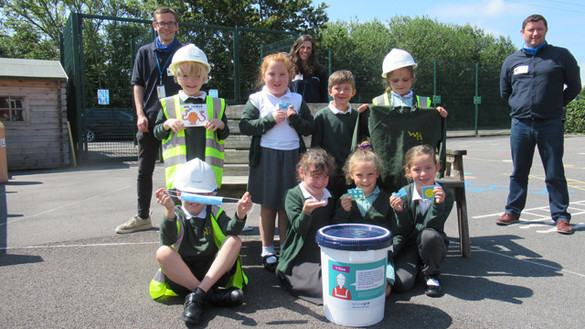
point(397, 58)
point(189, 53)
point(195, 176)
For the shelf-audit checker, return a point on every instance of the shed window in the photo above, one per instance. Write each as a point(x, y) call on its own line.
point(11, 108)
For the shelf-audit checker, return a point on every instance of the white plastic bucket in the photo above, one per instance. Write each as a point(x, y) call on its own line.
point(353, 266)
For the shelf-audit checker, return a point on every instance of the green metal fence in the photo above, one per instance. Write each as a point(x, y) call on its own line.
point(469, 91)
point(98, 54)
point(458, 86)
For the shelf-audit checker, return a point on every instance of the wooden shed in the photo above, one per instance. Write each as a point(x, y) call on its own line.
point(33, 109)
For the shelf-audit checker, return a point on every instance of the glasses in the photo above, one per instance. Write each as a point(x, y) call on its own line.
point(166, 24)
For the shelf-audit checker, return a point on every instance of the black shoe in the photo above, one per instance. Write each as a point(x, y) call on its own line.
point(194, 305)
point(433, 286)
point(227, 297)
point(271, 267)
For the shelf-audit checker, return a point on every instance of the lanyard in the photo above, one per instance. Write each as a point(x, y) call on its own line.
point(161, 71)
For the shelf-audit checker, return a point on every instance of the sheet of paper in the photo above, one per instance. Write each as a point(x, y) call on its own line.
point(194, 115)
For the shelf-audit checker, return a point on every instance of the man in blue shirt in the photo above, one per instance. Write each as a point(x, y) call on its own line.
point(533, 82)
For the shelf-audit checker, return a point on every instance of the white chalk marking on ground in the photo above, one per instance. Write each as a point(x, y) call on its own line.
point(572, 207)
point(549, 230)
point(61, 207)
point(116, 244)
point(156, 242)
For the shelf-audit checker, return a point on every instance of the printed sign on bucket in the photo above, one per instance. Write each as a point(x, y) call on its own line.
point(357, 281)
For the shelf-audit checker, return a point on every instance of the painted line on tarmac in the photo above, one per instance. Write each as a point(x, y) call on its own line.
point(576, 184)
point(157, 242)
point(575, 208)
point(117, 244)
point(573, 183)
point(64, 206)
point(560, 269)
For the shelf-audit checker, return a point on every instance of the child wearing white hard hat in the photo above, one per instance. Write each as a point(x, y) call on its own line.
point(191, 123)
point(398, 120)
point(398, 71)
point(199, 257)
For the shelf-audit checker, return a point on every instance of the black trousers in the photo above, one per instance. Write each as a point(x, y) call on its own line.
point(426, 257)
point(148, 148)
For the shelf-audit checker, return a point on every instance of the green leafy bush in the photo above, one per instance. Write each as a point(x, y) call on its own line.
point(575, 123)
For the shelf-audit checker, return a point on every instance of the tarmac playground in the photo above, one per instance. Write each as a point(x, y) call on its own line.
point(62, 265)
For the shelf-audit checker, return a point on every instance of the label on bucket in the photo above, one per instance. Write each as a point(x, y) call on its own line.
point(357, 282)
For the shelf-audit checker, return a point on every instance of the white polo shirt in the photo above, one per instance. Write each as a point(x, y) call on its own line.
point(282, 136)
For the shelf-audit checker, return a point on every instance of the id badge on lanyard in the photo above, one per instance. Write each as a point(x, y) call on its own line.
point(160, 91)
point(160, 88)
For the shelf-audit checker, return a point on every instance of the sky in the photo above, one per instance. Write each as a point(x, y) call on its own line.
point(565, 18)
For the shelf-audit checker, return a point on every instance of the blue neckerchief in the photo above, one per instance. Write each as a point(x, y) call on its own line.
point(365, 203)
point(533, 51)
point(163, 48)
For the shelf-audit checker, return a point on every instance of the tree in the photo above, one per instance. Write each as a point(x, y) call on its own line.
point(299, 16)
point(108, 45)
point(581, 95)
point(36, 25)
point(361, 47)
point(26, 43)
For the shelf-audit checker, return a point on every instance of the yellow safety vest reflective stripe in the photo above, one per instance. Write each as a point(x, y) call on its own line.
point(385, 100)
point(175, 147)
point(158, 286)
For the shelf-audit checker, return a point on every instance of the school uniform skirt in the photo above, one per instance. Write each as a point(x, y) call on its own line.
point(305, 280)
point(274, 175)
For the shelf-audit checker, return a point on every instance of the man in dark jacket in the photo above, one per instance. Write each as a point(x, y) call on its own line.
point(533, 82)
point(151, 81)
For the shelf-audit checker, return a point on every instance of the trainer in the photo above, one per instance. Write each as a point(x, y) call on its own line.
point(533, 82)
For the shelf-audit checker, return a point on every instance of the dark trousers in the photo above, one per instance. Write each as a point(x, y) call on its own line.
point(426, 256)
point(148, 148)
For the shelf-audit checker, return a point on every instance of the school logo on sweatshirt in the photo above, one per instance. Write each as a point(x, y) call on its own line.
point(417, 135)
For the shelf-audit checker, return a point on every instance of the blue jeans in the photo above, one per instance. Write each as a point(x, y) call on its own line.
point(548, 136)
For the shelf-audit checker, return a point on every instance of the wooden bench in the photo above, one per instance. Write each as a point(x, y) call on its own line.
point(235, 178)
point(236, 169)
point(454, 180)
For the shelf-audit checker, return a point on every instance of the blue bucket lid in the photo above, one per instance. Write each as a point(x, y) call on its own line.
point(357, 237)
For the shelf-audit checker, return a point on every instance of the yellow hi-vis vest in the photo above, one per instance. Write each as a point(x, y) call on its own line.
point(421, 101)
point(158, 286)
point(175, 147)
